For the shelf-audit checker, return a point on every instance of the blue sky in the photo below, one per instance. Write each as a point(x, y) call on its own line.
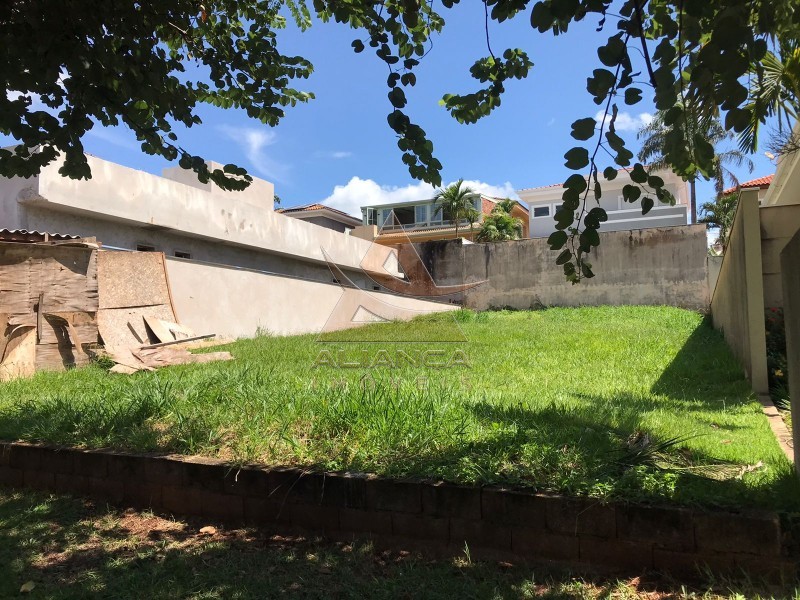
point(339, 149)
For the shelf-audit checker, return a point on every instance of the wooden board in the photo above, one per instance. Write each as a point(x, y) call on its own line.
point(125, 327)
point(58, 357)
point(66, 277)
point(132, 279)
point(20, 355)
point(55, 331)
point(159, 329)
point(171, 355)
point(15, 294)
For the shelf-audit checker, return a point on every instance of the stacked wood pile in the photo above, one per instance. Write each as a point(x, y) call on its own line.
point(60, 301)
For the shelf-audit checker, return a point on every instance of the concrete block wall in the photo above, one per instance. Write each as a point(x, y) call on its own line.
point(658, 266)
point(737, 305)
point(434, 516)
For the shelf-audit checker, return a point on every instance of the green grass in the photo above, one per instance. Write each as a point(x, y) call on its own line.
point(549, 400)
point(70, 548)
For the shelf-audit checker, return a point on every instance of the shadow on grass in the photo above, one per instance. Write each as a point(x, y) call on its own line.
point(70, 549)
point(581, 449)
point(705, 371)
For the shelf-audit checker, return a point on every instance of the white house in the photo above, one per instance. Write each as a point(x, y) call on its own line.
point(174, 213)
point(544, 201)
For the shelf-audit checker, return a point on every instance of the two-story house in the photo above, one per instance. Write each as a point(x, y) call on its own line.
point(544, 201)
point(419, 221)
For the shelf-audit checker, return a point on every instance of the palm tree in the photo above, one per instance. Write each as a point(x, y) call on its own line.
point(456, 201)
point(655, 135)
point(500, 226)
point(719, 213)
point(776, 92)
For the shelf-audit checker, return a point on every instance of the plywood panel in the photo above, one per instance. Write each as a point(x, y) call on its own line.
point(19, 359)
point(125, 327)
point(132, 279)
point(58, 357)
point(55, 331)
point(66, 276)
point(15, 293)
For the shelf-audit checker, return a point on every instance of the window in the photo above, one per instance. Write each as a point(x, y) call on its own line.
point(541, 211)
point(421, 213)
point(370, 216)
point(179, 254)
point(145, 248)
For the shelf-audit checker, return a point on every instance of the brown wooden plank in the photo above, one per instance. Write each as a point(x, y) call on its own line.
point(55, 331)
point(20, 354)
point(57, 357)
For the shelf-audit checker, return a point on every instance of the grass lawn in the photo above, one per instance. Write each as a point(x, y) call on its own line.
point(68, 548)
point(642, 403)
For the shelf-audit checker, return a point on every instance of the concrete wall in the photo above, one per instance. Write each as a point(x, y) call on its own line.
point(778, 224)
point(124, 198)
point(651, 266)
point(790, 259)
point(233, 302)
point(127, 236)
point(713, 264)
point(738, 302)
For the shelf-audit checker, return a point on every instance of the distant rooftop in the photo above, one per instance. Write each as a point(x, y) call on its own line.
point(314, 206)
point(759, 182)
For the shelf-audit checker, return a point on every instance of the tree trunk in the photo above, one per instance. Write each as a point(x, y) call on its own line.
point(693, 201)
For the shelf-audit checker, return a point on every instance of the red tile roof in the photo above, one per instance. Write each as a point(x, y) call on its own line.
point(759, 182)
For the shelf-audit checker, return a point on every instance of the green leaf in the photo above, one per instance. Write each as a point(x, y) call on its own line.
point(564, 257)
point(557, 240)
point(576, 183)
point(613, 52)
point(647, 204)
point(583, 129)
point(576, 158)
point(638, 174)
point(397, 97)
point(631, 193)
point(610, 173)
point(633, 96)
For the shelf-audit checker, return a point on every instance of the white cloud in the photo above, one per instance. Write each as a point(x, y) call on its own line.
point(336, 154)
point(254, 141)
point(112, 135)
point(626, 121)
point(366, 192)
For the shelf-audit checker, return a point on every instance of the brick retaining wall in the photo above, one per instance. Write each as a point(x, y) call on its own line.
point(441, 517)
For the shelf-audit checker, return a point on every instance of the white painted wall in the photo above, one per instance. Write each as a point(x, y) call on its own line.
point(237, 302)
point(128, 197)
point(621, 216)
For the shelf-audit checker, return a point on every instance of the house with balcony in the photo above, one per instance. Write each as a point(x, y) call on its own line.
point(419, 221)
point(543, 202)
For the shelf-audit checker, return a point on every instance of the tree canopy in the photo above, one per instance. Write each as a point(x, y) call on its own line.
point(129, 63)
